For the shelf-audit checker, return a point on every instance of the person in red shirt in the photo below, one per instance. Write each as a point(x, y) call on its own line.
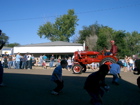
point(113, 50)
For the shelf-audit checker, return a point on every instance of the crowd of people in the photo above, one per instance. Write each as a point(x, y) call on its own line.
point(27, 61)
point(17, 61)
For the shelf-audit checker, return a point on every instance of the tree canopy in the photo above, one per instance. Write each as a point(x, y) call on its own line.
point(12, 44)
point(128, 43)
point(62, 29)
point(4, 37)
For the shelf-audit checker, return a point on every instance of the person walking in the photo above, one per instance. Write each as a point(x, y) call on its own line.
point(57, 77)
point(95, 85)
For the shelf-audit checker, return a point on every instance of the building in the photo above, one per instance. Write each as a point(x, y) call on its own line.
point(58, 48)
point(7, 50)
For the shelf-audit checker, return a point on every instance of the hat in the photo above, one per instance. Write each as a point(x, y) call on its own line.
point(120, 63)
point(112, 41)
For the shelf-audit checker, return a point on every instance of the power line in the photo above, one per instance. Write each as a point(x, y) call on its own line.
point(99, 10)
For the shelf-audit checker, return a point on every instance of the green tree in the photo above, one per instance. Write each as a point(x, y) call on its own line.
point(62, 29)
point(4, 37)
point(88, 31)
point(133, 42)
point(12, 44)
point(104, 36)
point(119, 37)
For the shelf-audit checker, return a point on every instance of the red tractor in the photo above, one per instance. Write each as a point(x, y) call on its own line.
point(81, 58)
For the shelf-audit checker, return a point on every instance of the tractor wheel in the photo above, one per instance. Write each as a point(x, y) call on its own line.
point(77, 69)
point(105, 60)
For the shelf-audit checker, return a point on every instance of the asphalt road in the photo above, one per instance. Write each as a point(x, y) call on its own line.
point(33, 87)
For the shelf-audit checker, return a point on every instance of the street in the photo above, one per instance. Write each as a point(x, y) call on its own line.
point(33, 87)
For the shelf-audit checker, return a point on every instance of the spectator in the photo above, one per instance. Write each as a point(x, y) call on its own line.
point(51, 61)
point(24, 60)
point(44, 57)
point(57, 77)
point(94, 84)
point(58, 61)
point(21, 61)
point(5, 62)
point(28, 61)
point(69, 63)
point(14, 61)
point(37, 61)
point(41, 59)
point(44, 65)
point(10, 62)
point(137, 66)
point(33, 60)
point(18, 60)
point(131, 63)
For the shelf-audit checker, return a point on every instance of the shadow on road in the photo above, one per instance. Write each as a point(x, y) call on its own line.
point(28, 89)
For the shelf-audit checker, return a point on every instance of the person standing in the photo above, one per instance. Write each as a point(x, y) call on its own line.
point(95, 85)
point(18, 60)
point(24, 62)
point(137, 66)
point(69, 63)
point(44, 57)
point(131, 64)
point(57, 77)
point(41, 59)
point(10, 62)
point(28, 61)
point(115, 71)
point(14, 61)
point(51, 61)
point(5, 63)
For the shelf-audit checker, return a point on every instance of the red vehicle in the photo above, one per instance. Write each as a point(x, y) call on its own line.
point(81, 58)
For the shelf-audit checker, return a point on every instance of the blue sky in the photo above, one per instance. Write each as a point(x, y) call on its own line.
point(20, 19)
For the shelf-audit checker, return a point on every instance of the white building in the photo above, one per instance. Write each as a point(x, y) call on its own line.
point(58, 48)
point(7, 50)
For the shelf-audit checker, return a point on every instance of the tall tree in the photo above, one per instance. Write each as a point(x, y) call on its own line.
point(62, 29)
point(4, 37)
point(89, 35)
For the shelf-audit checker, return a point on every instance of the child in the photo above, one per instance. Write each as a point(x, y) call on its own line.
point(94, 84)
point(44, 65)
point(57, 77)
point(115, 71)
